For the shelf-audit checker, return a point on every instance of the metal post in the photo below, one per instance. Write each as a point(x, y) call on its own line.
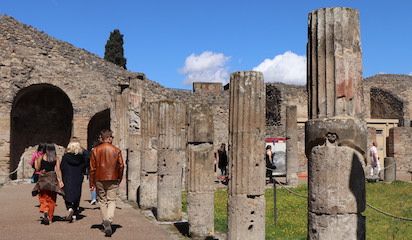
point(275, 209)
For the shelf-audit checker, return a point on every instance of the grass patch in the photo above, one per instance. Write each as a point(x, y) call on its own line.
point(395, 198)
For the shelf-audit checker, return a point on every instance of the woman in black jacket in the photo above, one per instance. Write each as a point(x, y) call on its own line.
point(72, 168)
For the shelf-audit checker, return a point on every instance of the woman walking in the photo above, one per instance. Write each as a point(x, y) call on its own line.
point(73, 167)
point(50, 182)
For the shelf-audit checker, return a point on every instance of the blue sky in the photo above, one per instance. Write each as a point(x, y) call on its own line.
point(181, 41)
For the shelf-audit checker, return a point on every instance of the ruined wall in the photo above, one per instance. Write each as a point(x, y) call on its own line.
point(30, 58)
point(399, 86)
point(399, 147)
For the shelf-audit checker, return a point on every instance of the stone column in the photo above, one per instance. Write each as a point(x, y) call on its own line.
point(246, 204)
point(200, 172)
point(134, 141)
point(389, 169)
point(148, 175)
point(336, 135)
point(292, 163)
point(171, 156)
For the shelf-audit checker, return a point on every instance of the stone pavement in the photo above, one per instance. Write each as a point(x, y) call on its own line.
point(20, 219)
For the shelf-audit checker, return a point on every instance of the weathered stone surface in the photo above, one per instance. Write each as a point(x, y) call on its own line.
point(172, 125)
point(200, 168)
point(399, 142)
point(246, 150)
point(133, 167)
point(349, 131)
point(336, 137)
point(171, 160)
point(334, 63)
point(200, 119)
point(207, 87)
point(346, 226)
point(246, 217)
point(169, 198)
point(148, 191)
point(335, 180)
point(389, 169)
point(200, 209)
point(292, 162)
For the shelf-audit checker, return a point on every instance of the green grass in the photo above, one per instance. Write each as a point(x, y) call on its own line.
point(395, 198)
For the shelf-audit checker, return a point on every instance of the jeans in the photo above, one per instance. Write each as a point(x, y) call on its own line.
point(93, 195)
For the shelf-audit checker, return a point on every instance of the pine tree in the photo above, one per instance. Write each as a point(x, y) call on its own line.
point(114, 49)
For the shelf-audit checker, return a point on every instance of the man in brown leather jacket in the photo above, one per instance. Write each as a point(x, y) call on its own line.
point(106, 172)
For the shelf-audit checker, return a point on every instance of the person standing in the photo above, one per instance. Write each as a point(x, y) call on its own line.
point(50, 182)
point(72, 167)
point(223, 162)
point(375, 166)
point(106, 173)
point(270, 166)
point(41, 150)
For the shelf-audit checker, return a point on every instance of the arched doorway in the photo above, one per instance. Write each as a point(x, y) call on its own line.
point(40, 113)
point(98, 122)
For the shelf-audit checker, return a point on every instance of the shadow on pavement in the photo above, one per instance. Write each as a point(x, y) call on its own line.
point(101, 228)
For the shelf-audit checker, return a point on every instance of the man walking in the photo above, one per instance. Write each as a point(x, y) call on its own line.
point(106, 172)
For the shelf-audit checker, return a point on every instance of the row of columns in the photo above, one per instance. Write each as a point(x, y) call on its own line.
point(335, 144)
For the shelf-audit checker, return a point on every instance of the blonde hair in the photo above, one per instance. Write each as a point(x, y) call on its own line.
point(74, 147)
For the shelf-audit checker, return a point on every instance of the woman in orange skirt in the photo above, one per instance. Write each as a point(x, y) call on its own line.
point(49, 184)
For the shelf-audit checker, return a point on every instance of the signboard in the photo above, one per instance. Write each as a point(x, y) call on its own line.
point(279, 152)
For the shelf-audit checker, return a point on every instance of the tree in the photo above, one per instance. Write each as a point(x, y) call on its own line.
point(114, 49)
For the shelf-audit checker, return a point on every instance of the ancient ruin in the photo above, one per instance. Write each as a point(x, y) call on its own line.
point(292, 164)
point(53, 91)
point(246, 203)
point(200, 172)
point(171, 158)
point(336, 135)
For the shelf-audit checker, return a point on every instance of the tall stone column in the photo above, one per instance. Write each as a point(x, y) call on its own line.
point(148, 175)
point(134, 141)
point(246, 206)
point(200, 172)
point(171, 156)
point(336, 135)
point(292, 163)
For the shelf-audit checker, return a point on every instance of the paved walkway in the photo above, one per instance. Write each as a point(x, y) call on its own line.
point(20, 219)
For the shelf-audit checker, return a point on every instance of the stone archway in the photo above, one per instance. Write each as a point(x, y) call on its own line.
point(98, 122)
point(40, 113)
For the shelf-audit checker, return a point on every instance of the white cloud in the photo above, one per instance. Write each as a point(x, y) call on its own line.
point(206, 67)
point(287, 68)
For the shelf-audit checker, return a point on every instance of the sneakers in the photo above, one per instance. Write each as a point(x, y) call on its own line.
point(70, 216)
point(93, 202)
point(45, 219)
point(107, 228)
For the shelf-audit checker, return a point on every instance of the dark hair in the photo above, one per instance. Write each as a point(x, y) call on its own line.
point(105, 134)
point(268, 147)
point(51, 152)
point(41, 148)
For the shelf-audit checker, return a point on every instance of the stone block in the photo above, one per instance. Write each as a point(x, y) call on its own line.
point(200, 129)
point(336, 227)
point(389, 169)
point(246, 215)
point(200, 210)
point(200, 170)
point(170, 162)
point(336, 180)
point(148, 191)
point(169, 198)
